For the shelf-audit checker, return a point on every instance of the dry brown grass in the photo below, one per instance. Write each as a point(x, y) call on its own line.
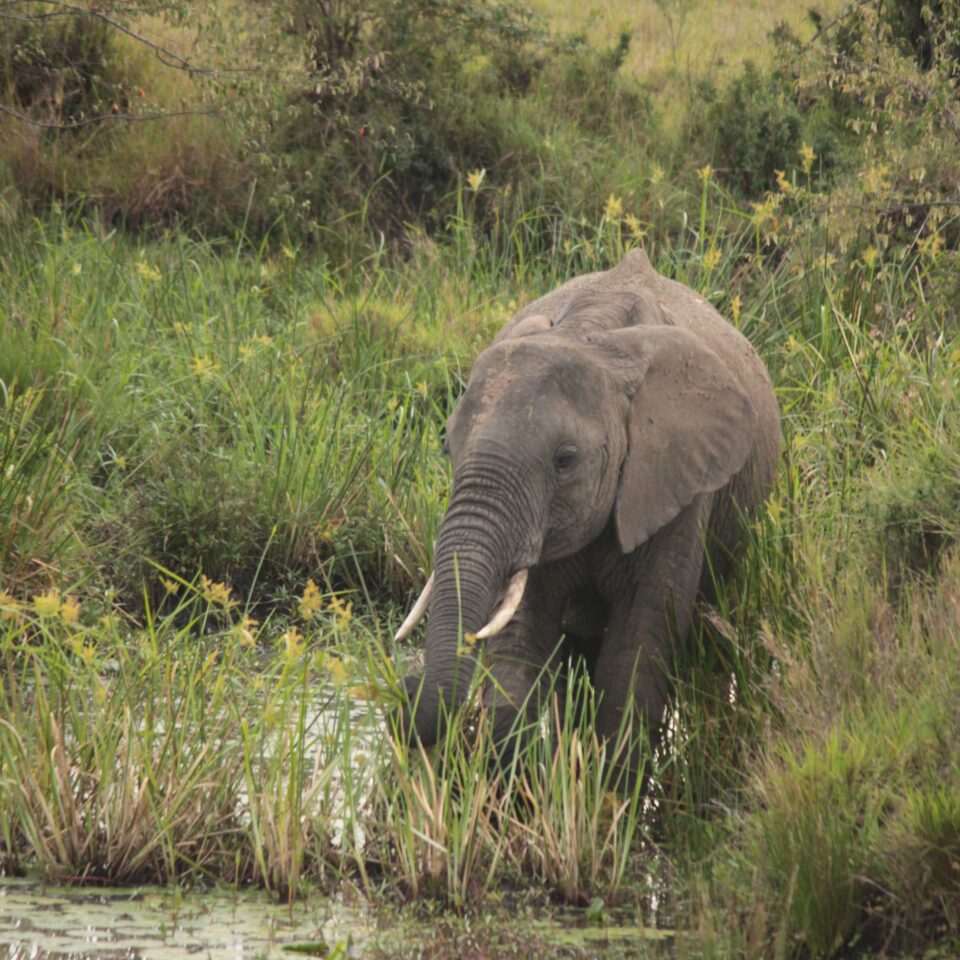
point(714, 35)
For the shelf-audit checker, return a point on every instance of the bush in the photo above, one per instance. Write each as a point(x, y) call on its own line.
point(345, 120)
point(755, 129)
point(61, 70)
point(383, 122)
point(105, 126)
point(404, 100)
point(915, 505)
point(928, 30)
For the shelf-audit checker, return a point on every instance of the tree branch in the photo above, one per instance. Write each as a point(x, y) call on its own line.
point(100, 118)
point(167, 57)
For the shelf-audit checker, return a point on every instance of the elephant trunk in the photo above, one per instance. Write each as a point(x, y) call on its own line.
point(485, 538)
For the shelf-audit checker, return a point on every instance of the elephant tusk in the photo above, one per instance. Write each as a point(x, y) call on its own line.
point(416, 614)
point(508, 608)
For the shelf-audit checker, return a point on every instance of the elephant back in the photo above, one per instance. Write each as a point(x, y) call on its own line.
point(634, 294)
point(606, 300)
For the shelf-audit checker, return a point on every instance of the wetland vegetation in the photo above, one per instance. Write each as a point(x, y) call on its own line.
point(229, 338)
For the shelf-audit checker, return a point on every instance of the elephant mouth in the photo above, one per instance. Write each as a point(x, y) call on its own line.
point(508, 607)
point(505, 612)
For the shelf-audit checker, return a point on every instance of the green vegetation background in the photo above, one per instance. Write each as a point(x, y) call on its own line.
point(248, 253)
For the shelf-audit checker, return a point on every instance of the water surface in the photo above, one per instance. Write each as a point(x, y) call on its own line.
point(43, 922)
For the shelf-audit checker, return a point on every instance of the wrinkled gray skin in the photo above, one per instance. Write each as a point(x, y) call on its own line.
point(607, 438)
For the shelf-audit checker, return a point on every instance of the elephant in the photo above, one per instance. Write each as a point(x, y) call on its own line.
point(608, 445)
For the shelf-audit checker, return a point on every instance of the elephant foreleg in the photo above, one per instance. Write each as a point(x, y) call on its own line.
point(646, 622)
point(518, 663)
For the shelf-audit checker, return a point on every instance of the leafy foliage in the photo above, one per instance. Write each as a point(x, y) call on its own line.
point(259, 414)
point(60, 68)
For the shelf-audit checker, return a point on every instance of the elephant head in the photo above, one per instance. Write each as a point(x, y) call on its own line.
point(567, 429)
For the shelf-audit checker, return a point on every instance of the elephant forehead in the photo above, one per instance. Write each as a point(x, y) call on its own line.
point(527, 386)
point(540, 365)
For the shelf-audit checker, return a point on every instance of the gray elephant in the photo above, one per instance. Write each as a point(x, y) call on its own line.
point(605, 448)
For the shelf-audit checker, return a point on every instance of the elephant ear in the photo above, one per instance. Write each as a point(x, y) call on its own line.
point(690, 427)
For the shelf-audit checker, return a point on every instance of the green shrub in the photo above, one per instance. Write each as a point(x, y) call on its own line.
point(380, 118)
point(405, 100)
point(916, 505)
point(927, 30)
point(754, 129)
point(101, 125)
point(62, 69)
point(757, 122)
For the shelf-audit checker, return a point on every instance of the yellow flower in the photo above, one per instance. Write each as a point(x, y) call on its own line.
point(870, 257)
point(876, 179)
point(633, 225)
point(84, 650)
point(171, 586)
point(337, 669)
point(344, 615)
point(931, 244)
point(244, 631)
point(784, 185)
point(475, 178)
point(656, 174)
point(422, 389)
point(149, 273)
point(705, 173)
point(289, 252)
point(218, 593)
point(265, 340)
point(342, 612)
point(766, 211)
point(204, 366)
point(70, 610)
point(310, 602)
point(246, 352)
point(613, 209)
point(47, 604)
point(711, 258)
point(735, 306)
point(292, 641)
point(807, 156)
point(9, 608)
point(76, 269)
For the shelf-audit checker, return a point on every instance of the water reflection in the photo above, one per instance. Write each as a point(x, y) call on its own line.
point(42, 922)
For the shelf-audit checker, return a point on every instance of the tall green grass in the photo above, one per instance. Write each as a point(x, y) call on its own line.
point(217, 412)
point(256, 417)
point(203, 746)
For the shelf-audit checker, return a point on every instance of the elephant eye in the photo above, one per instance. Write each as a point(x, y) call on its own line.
point(565, 457)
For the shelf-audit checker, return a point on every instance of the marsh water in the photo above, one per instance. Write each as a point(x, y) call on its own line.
point(48, 921)
point(40, 921)
point(43, 922)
